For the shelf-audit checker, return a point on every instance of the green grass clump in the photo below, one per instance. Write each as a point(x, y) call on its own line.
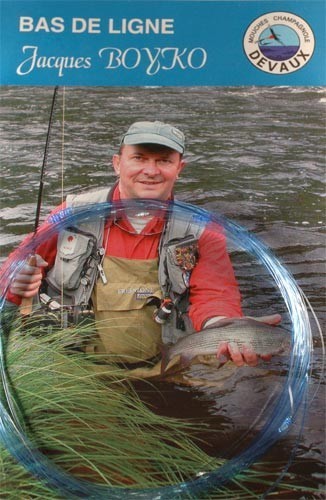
point(94, 427)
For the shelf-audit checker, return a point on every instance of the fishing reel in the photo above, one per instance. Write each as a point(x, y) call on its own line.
point(49, 317)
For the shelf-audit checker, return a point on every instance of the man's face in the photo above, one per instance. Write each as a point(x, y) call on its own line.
point(146, 173)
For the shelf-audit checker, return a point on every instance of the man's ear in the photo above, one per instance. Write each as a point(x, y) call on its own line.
point(116, 163)
point(182, 165)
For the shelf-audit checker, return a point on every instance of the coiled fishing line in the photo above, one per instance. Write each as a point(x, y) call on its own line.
point(282, 415)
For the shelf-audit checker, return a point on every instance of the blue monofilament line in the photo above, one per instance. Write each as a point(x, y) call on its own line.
point(282, 414)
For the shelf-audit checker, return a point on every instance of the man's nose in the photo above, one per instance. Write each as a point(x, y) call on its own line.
point(151, 167)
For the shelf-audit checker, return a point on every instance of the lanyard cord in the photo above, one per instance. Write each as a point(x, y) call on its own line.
point(63, 141)
point(62, 187)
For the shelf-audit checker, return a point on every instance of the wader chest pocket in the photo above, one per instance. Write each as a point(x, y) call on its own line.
point(181, 259)
point(74, 251)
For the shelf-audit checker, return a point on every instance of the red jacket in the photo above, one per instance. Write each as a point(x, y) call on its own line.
point(213, 287)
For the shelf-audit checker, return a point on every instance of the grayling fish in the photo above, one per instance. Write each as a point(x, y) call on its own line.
point(264, 339)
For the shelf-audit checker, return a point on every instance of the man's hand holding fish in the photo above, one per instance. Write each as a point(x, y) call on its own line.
point(246, 355)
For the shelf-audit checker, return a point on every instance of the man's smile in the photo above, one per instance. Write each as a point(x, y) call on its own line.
point(150, 183)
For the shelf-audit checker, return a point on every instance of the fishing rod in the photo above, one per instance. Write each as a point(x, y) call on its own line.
point(26, 303)
point(44, 163)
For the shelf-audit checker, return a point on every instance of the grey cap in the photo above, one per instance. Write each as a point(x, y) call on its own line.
point(155, 133)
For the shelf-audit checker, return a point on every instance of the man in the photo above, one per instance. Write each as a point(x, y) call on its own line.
point(156, 277)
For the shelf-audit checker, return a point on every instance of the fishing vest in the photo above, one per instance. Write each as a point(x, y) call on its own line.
point(80, 254)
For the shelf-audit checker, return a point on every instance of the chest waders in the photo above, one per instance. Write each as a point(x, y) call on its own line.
point(124, 310)
point(124, 305)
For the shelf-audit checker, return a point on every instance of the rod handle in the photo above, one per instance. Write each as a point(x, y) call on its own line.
point(26, 305)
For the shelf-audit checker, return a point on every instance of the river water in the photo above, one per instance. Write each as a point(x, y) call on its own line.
point(256, 155)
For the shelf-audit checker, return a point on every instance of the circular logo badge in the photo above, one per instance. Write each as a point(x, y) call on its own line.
point(279, 43)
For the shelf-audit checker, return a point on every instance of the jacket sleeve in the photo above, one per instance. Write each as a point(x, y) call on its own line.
point(47, 250)
point(213, 287)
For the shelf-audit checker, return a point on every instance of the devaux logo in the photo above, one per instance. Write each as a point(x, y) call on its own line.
point(279, 43)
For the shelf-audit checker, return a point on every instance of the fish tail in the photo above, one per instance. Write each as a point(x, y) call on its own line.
point(165, 358)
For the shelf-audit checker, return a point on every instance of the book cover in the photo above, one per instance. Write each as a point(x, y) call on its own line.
point(245, 81)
